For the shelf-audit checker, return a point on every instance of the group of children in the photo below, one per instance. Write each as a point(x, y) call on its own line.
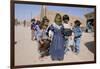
point(54, 38)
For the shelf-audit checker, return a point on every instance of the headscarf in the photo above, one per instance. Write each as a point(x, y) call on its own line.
point(58, 19)
point(44, 24)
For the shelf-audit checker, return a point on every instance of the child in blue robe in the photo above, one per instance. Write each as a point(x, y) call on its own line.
point(56, 50)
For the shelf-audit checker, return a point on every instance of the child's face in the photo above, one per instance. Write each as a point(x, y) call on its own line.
point(66, 21)
point(44, 28)
point(58, 20)
point(76, 25)
point(33, 21)
point(46, 22)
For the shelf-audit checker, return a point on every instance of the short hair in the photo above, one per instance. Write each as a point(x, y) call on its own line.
point(65, 17)
point(77, 23)
point(32, 20)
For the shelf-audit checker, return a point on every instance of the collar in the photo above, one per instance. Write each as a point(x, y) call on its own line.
point(57, 26)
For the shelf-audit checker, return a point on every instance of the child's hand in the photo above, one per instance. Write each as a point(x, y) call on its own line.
point(49, 38)
point(41, 42)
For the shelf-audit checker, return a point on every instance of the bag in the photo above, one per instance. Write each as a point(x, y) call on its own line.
point(67, 32)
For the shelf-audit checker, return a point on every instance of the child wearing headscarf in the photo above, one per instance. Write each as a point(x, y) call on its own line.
point(56, 50)
point(44, 41)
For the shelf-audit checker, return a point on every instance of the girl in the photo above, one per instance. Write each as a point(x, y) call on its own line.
point(44, 41)
point(57, 44)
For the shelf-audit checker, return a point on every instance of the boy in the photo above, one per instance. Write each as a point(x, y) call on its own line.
point(67, 32)
point(32, 29)
point(77, 35)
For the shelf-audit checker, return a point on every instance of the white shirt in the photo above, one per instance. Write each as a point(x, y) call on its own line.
point(51, 33)
point(66, 26)
point(57, 26)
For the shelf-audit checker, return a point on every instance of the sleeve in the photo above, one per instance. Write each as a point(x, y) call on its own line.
point(62, 30)
point(37, 28)
point(48, 29)
point(73, 30)
point(80, 32)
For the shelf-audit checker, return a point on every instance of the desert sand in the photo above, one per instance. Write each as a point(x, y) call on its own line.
point(26, 50)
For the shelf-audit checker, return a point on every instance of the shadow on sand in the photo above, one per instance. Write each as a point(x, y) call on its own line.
point(91, 46)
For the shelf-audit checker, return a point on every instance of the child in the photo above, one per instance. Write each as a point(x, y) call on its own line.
point(44, 41)
point(24, 22)
point(56, 50)
point(35, 30)
point(45, 21)
point(32, 29)
point(77, 35)
point(38, 23)
point(67, 31)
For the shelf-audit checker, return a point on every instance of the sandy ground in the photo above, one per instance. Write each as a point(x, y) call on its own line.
point(26, 50)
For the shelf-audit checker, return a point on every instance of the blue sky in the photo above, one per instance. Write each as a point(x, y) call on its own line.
point(26, 11)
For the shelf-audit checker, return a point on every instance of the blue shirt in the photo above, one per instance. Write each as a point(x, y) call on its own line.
point(77, 31)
